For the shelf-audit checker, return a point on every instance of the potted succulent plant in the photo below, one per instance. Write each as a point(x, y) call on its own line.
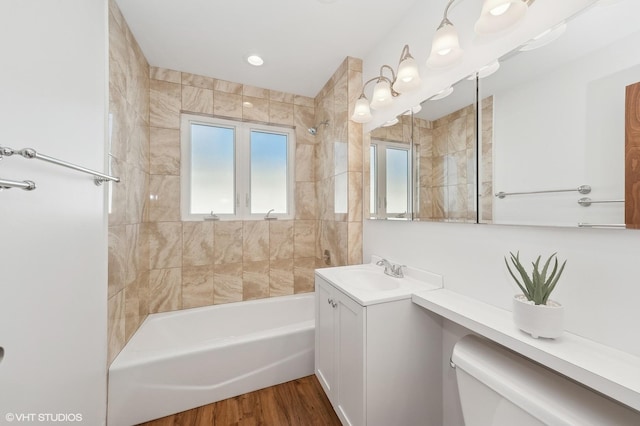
point(533, 311)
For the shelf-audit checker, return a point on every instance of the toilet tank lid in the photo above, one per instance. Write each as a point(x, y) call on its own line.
point(546, 395)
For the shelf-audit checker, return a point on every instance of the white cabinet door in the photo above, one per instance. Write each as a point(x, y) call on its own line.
point(325, 336)
point(350, 364)
point(340, 361)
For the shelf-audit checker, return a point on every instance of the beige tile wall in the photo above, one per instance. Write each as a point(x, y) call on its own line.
point(203, 263)
point(447, 167)
point(130, 156)
point(339, 232)
point(486, 165)
point(158, 262)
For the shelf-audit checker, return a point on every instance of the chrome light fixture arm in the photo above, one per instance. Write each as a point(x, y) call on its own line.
point(405, 79)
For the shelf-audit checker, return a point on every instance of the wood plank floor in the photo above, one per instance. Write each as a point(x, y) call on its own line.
point(301, 402)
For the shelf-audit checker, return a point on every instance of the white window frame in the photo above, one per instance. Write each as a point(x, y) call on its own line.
point(242, 150)
point(380, 171)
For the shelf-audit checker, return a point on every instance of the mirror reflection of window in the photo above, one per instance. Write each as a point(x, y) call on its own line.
point(373, 177)
point(397, 181)
point(390, 179)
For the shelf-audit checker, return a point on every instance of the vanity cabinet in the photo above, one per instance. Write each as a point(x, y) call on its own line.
point(379, 364)
point(340, 327)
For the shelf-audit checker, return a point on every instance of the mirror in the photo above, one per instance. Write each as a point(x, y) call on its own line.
point(554, 119)
point(390, 170)
point(444, 133)
point(422, 166)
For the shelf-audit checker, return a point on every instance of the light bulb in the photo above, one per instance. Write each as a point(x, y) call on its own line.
point(499, 10)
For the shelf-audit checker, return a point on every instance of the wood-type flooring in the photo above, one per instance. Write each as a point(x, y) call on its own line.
point(301, 402)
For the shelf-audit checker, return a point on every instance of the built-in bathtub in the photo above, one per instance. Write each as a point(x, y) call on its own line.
point(184, 359)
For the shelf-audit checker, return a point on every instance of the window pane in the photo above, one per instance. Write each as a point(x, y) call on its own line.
point(397, 180)
point(212, 169)
point(268, 172)
point(341, 189)
point(373, 179)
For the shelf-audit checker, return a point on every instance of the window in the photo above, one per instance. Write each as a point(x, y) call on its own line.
point(235, 170)
point(390, 179)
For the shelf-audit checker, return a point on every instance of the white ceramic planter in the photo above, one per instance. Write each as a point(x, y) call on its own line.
point(538, 320)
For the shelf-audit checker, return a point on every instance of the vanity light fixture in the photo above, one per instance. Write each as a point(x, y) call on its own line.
point(385, 89)
point(496, 16)
point(445, 48)
point(545, 37)
point(500, 15)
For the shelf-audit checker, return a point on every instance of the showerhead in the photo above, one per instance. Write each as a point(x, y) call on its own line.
point(314, 130)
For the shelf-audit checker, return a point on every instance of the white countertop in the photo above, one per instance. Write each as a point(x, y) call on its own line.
point(610, 371)
point(415, 280)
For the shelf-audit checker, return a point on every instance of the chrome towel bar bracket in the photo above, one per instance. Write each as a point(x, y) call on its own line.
point(602, 225)
point(27, 185)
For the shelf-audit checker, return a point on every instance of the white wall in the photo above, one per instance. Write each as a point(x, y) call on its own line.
point(599, 287)
point(53, 241)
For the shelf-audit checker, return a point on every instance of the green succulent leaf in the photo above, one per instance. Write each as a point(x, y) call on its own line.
point(552, 284)
point(537, 286)
point(524, 290)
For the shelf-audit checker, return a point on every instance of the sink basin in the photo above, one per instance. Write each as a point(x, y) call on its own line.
point(368, 279)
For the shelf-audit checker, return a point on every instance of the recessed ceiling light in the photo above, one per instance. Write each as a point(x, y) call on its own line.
point(247, 104)
point(255, 60)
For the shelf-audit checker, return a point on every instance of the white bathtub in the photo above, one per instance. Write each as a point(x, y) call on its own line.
point(184, 359)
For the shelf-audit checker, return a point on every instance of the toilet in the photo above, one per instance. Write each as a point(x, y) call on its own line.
point(500, 388)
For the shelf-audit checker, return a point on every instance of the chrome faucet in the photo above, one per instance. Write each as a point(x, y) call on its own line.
point(267, 217)
point(391, 269)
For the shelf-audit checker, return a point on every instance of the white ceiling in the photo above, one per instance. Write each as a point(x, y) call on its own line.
point(301, 41)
